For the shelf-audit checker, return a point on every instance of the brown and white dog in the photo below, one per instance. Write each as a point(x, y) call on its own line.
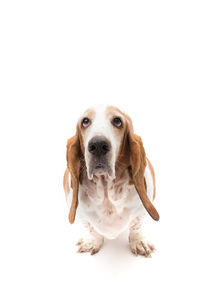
point(112, 180)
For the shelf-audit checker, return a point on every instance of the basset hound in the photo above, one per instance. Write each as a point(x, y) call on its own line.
point(112, 181)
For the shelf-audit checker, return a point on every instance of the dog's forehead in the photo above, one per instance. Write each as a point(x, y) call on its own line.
point(102, 112)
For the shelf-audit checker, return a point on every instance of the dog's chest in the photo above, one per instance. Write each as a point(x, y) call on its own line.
point(108, 205)
point(105, 196)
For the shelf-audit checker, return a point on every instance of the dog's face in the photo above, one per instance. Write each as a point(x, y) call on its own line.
point(102, 131)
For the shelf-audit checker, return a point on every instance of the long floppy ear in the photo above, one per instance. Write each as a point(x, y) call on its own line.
point(73, 164)
point(138, 164)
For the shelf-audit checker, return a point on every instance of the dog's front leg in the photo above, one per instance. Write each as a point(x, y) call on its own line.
point(92, 242)
point(138, 243)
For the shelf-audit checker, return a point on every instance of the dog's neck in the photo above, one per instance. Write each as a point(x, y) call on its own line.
point(105, 181)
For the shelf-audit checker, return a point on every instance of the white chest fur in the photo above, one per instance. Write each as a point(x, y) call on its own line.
point(110, 206)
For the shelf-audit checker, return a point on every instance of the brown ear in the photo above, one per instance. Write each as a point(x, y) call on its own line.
point(138, 164)
point(73, 164)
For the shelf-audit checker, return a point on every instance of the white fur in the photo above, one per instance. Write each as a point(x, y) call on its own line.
point(139, 244)
point(92, 242)
point(96, 202)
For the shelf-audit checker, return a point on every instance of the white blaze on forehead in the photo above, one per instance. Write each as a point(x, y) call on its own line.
point(100, 124)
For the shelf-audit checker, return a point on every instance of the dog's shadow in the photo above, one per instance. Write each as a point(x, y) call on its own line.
point(116, 254)
point(114, 260)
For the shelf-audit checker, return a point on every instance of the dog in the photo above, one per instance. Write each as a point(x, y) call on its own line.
point(112, 180)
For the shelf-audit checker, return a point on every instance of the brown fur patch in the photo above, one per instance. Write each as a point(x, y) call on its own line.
point(66, 182)
point(76, 164)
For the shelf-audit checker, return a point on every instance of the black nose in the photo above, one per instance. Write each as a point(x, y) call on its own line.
point(99, 146)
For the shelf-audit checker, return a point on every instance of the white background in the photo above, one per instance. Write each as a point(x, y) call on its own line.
point(56, 59)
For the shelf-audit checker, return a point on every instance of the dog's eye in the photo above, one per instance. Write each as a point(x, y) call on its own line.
point(85, 123)
point(117, 122)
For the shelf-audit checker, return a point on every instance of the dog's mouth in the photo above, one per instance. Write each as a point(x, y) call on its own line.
point(99, 168)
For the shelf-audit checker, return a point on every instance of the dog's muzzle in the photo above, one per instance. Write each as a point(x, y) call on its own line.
point(99, 148)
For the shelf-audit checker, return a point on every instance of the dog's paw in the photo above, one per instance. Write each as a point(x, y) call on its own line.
point(139, 245)
point(90, 244)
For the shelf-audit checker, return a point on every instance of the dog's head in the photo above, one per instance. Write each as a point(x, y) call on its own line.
point(105, 144)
